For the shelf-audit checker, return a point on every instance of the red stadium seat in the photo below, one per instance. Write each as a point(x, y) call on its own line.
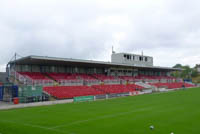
point(172, 85)
point(145, 77)
point(70, 76)
point(35, 75)
point(111, 89)
point(62, 92)
point(103, 77)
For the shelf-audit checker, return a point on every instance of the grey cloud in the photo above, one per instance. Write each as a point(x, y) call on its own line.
point(166, 29)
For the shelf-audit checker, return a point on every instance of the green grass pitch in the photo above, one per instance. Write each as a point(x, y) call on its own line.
point(177, 112)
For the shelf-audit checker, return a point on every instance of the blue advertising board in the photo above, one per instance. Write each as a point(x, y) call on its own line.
point(1, 93)
point(14, 91)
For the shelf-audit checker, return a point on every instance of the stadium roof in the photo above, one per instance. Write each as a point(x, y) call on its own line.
point(45, 60)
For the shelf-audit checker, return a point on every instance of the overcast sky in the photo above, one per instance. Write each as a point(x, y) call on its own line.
point(168, 30)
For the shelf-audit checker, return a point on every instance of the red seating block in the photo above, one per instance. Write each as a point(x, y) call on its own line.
point(35, 75)
point(62, 76)
point(69, 76)
point(103, 77)
point(111, 89)
point(172, 85)
point(62, 92)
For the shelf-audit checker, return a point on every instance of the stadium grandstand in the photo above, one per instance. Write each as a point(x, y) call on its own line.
point(41, 78)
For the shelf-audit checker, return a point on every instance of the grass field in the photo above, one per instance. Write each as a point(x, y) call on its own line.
point(177, 111)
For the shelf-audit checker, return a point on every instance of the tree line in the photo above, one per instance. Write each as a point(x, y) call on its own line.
point(186, 73)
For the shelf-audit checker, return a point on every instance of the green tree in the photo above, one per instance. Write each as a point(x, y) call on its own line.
point(178, 66)
point(186, 73)
point(194, 73)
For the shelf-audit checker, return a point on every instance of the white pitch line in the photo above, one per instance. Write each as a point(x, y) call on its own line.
point(34, 126)
point(101, 117)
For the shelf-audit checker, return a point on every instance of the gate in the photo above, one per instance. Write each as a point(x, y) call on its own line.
point(28, 94)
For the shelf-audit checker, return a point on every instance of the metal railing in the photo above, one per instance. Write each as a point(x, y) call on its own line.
point(64, 82)
point(26, 80)
point(92, 82)
point(108, 82)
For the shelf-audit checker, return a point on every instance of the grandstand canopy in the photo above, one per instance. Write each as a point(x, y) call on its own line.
point(55, 61)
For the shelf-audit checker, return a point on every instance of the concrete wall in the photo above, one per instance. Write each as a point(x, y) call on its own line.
point(3, 77)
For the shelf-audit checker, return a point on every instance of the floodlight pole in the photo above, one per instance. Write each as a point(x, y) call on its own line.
point(15, 64)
